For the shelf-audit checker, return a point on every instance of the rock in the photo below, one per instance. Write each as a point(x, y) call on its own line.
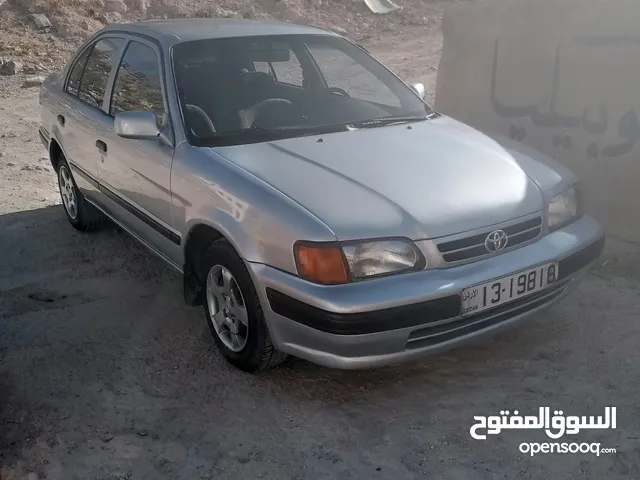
point(30, 69)
point(10, 67)
point(1, 154)
point(219, 12)
point(11, 164)
point(40, 21)
point(137, 6)
point(117, 6)
point(34, 81)
point(249, 13)
point(110, 17)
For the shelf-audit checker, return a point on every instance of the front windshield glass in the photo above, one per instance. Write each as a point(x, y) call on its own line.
point(250, 89)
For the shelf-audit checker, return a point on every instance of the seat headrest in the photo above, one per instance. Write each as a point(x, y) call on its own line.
point(256, 77)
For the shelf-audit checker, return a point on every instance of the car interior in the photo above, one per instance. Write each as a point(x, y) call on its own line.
point(224, 92)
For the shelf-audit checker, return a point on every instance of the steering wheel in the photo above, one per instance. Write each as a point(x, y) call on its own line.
point(339, 91)
point(249, 115)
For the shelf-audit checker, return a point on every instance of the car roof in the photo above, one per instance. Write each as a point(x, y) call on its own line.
point(174, 31)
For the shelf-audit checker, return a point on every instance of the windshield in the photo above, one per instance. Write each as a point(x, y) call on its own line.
point(251, 89)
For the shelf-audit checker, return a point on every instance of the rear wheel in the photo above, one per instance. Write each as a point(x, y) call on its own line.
point(234, 313)
point(81, 214)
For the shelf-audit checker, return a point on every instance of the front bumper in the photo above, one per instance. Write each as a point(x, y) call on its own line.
point(395, 319)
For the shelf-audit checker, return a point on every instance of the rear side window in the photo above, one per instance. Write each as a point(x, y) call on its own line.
point(262, 67)
point(101, 61)
point(76, 73)
point(137, 85)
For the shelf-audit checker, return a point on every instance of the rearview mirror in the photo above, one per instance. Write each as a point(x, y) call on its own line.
point(419, 89)
point(139, 125)
point(270, 55)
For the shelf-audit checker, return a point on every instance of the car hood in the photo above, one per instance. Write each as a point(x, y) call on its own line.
point(420, 180)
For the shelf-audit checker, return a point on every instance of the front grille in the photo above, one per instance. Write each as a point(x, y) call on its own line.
point(472, 247)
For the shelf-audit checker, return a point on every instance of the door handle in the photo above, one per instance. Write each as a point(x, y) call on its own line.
point(61, 120)
point(100, 145)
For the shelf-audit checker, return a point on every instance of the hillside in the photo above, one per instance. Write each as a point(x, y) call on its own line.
point(74, 20)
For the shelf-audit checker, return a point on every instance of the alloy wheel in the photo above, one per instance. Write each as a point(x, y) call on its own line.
point(227, 308)
point(68, 192)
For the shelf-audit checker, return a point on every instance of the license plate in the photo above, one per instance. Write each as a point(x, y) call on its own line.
point(507, 289)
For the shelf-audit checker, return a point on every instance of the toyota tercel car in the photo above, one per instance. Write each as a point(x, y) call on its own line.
point(315, 205)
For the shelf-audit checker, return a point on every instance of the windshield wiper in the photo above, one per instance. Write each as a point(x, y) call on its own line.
point(261, 134)
point(384, 121)
point(313, 129)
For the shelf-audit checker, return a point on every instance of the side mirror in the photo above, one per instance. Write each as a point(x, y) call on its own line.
point(419, 89)
point(139, 125)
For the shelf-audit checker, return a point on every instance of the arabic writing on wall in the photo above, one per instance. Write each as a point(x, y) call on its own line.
point(628, 127)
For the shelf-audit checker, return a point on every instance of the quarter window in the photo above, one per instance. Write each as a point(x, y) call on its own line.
point(137, 85)
point(76, 73)
point(96, 73)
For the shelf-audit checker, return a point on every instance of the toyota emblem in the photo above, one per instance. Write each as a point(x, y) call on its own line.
point(496, 241)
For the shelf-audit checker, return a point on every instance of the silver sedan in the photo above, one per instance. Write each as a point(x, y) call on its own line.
point(313, 202)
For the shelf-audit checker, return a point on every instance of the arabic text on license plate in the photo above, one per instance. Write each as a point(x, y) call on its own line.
point(502, 290)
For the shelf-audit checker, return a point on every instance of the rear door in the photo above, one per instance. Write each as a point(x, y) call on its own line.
point(135, 174)
point(85, 92)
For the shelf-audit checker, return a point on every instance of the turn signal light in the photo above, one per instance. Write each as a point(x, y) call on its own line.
point(321, 263)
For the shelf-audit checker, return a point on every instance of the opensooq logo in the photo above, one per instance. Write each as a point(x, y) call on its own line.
point(555, 426)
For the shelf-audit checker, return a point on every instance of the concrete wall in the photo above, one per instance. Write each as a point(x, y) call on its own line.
point(562, 76)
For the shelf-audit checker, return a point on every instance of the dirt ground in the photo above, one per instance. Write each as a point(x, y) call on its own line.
point(105, 374)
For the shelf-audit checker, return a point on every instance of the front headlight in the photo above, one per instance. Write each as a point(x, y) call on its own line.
point(336, 263)
point(563, 209)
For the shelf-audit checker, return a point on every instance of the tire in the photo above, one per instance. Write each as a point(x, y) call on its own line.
point(80, 213)
point(257, 353)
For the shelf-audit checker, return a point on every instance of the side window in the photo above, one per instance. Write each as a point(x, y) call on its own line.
point(341, 71)
point(262, 67)
point(289, 72)
point(96, 73)
point(73, 82)
point(137, 85)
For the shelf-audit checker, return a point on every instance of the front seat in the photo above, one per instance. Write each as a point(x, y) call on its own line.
point(271, 110)
point(255, 87)
point(199, 122)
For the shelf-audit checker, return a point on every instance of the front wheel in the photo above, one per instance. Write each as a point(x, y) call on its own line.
point(234, 313)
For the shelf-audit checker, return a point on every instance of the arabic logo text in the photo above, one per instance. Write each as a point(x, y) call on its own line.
point(555, 426)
